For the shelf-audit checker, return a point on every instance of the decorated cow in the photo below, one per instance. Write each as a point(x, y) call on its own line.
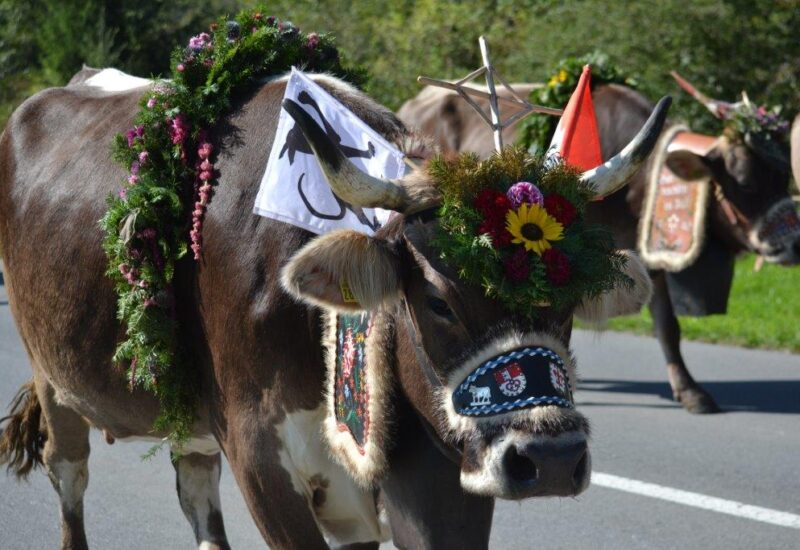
point(698, 201)
point(436, 366)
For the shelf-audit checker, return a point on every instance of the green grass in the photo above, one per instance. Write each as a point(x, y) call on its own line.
point(763, 311)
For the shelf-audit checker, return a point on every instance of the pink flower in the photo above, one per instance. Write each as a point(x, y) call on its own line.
point(151, 103)
point(133, 179)
point(206, 175)
point(205, 165)
point(143, 156)
point(178, 129)
point(208, 62)
point(122, 194)
point(205, 150)
point(150, 302)
point(313, 40)
point(135, 167)
point(124, 268)
point(134, 134)
point(181, 67)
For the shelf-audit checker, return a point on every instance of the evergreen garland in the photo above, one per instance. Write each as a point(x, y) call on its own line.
point(473, 231)
point(537, 130)
point(156, 219)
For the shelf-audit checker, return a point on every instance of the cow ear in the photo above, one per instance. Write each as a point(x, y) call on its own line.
point(688, 165)
point(344, 270)
point(622, 300)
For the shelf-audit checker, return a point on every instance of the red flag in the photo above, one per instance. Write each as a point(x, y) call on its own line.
point(576, 140)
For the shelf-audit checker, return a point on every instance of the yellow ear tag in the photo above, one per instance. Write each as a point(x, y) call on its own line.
point(347, 294)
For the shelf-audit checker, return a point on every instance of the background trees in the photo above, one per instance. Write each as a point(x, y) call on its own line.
point(725, 46)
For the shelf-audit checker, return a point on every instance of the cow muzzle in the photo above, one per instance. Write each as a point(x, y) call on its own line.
point(511, 406)
point(519, 464)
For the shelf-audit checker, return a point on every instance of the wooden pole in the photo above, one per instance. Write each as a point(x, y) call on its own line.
point(497, 127)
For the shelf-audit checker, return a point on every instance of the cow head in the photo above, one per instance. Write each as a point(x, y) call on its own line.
point(750, 167)
point(462, 358)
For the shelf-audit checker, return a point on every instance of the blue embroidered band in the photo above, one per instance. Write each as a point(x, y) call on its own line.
point(519, 379)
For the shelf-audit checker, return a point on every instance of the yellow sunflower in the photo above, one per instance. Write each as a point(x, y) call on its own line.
point(532, 226)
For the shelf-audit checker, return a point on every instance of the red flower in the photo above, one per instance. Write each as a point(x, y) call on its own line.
point(556, 265)
point(560, 208)
point(492, 204)
point(496, 229)
point(517, 266)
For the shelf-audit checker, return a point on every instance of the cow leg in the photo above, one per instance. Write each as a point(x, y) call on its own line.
point(426, 505)
point(668, 331)
point(281, 513)
point(66, 455)
point(197, 481)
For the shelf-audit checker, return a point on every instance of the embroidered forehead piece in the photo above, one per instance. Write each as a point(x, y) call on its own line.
point(519, 379)
point(516, 227)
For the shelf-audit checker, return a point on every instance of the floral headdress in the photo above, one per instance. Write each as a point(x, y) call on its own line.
point(518, 230)
point(745, 118)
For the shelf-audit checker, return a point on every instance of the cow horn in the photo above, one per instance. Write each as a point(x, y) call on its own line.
point(615, 173)
point(720, 109)
point(348, 182)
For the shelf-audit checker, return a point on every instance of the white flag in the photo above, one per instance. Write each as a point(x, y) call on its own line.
point(294, 190)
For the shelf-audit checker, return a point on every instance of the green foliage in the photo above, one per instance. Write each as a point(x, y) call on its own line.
point(147, 227)
point(763, 312)
point(537, 130)
point(594, 265)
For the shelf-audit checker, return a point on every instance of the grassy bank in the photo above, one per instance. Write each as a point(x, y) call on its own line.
point(763, 311)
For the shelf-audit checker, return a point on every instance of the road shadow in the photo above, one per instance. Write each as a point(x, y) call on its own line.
point(766, 396)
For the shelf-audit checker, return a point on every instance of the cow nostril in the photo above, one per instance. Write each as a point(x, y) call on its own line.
point(579, 475)
point(520, 468)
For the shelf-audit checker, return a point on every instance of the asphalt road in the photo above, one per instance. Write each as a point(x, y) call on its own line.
point(749, 454)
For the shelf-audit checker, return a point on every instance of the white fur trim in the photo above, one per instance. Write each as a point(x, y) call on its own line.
point(460, 426)
point(368, 464)
point(663, 259)
point(621, 300)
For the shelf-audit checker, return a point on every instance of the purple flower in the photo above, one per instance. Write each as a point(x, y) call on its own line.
point(143, 156)
point(524, 192)
point(178, 129)
point(133, 179)
point(135, 167)
point(151, 103)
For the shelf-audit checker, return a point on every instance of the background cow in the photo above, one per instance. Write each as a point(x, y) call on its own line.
point(751, 180)
point(258, 352)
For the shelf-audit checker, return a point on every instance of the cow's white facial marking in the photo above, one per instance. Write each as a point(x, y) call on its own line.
point(344, 512)
point(70, 480)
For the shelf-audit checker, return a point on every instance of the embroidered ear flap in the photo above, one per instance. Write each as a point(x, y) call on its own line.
point(358, 391)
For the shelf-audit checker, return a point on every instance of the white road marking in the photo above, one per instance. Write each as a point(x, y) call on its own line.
point(697, 500)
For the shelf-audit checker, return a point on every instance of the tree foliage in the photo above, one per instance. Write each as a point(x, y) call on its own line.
point(724, 46)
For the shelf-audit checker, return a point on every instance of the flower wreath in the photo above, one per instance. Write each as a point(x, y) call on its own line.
point(517, 229)
point(536, 131)
point(169, 153)
point(747, 118)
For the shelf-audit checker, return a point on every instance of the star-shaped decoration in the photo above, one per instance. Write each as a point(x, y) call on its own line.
point(493, 117)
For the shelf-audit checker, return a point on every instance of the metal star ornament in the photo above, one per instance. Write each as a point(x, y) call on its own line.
point(493, 117)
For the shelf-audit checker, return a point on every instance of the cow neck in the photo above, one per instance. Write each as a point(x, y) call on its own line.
point(452, 453)
point(735, 216)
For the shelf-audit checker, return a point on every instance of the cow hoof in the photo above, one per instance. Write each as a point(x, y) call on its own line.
point(696, 401)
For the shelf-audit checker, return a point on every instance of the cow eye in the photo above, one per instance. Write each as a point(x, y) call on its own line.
point(440, 307)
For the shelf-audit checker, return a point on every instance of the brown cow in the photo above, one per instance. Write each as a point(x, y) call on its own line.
point(258, 351)
point(753, 180)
